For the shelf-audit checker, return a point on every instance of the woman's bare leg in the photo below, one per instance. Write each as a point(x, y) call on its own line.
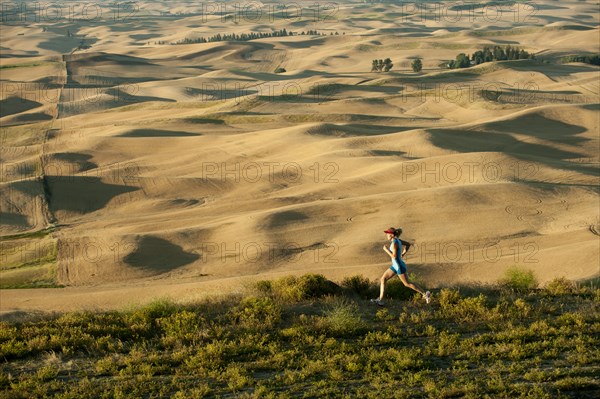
point(389, 273)
point(410, 285)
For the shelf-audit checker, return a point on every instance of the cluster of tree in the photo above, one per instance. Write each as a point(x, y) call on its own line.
point(588, 59)
point(235, 37)
point(417, 65)
point(242, 37)
point(496, 53)
point(382, 65)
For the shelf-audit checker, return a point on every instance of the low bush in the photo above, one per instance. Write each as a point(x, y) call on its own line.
point(181, 327)
point(253, 312)
point(396, 290)
point(342, 317)
point(360, 285)
point(519, 279)
point(560, 286)
point(295, 289)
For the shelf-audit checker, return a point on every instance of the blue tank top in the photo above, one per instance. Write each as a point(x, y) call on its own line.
point(399, 253)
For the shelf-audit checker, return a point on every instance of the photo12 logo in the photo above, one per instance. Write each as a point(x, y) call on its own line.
point(54, 169)
point(471, 251)
point(468, 172)
point(88, 90)
point(288, 91)
point(462, 11)
point(255, 12)
point(254, 252)
point(16, 254)
point(471, 92)
point(252, 172)
point(55, 12)
point(94, 251)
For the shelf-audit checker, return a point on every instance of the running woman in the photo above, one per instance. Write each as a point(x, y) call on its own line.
point(395, 251)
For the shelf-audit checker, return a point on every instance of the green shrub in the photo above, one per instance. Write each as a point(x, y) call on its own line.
point(448, 297)
point(519, 279)
point(308, 286)
point(395, 289)
point(47, 372)
point(264, 286)
point(465, 309)
point(470, 309)
point(576, 384)
point(560, 286)
point(180, 327)
point(156, 309)
point(256, 312)
point(360, 285)
point(341, 318)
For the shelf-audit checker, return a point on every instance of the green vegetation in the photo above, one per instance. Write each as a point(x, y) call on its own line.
point(519, 279)
point(24, 65)
point(588, 59)
point(30, 234)
point(382, 65)
point(306, 337)
point(29, 260)
point(417, 65)
point(496, 53)
point(244, 37)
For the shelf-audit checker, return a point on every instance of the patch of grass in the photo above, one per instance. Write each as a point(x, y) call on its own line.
point(32, 234)
point(27, 65)
point(37, 276)
point(341, 317)
point(29, 260)
point(249, 119)
point(208, 120)
point(295, 338)
point(161, 105)
point(447, 46)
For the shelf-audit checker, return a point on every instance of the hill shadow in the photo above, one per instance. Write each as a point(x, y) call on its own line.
point(159, 255)
point(356, 130)
point(539, 126)
point(157, 133)
point(13, 219)
point(123, 97)
point(15, 105)
point(285, 218)
point(476, 141)
point(29, 118)
point(81, 194)
point(80, 160)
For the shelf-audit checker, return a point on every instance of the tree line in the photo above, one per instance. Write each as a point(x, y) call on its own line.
point(588, 59)
point(242, 37)
point(496, 53)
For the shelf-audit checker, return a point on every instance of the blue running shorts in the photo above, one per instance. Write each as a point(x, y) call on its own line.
point(399, 267)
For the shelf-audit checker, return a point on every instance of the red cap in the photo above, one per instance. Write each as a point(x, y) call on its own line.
point(389, 231)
